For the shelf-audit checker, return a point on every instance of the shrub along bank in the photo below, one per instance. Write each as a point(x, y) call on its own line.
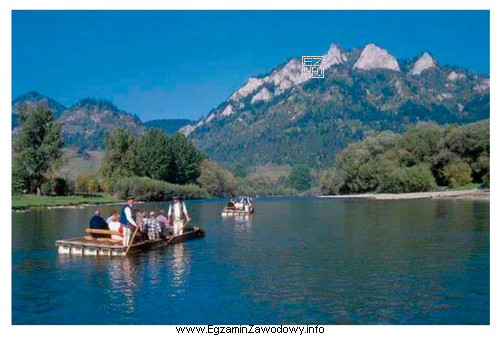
point(147, 189)
point(423, 158)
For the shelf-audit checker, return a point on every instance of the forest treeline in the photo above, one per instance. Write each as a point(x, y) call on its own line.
point(423, 158)
point(155, 166)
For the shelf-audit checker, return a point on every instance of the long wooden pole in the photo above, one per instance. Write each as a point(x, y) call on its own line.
point(173, 236)
point(132, 239)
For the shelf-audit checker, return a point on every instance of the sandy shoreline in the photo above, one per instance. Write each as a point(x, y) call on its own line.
point(476, 194)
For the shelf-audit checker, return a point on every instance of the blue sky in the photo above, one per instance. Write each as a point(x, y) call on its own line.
point(180, 64)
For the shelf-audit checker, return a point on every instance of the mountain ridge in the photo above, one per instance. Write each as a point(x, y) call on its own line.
point(277, 117)
point(32, 98)
point(86, 122)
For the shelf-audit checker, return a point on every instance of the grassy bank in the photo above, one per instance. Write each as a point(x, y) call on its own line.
point(20, 202)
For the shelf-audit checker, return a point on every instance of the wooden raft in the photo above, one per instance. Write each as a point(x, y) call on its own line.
point(236, 212)
point(89, 246)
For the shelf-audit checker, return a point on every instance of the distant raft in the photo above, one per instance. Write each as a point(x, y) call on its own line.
point(231, 209)
point(89, 246)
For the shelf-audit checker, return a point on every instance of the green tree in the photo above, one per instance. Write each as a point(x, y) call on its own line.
point(153, 155)
point(387, 171)
point(486, 179)
point(93, 185)
point(119, 156)
point(481, 167)
point(216, 180)
point(185, 161)
point(300, 177)
point(37, 147)
point(416, 178)
point(87, 183)
point(470, 144)
point(457, 174)
point(330, 182)
point(419, 143)
point(240, 171)
point(55, 187)
point(418, 160)
point(259, 184)
point(357, 165)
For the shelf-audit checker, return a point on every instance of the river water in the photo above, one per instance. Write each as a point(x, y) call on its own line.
point(295, 261)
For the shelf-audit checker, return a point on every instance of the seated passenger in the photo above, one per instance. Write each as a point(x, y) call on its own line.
point(109, 219)
point(115, 224)
point(97, 222)
point(162, 218)
point(164, 223)
point(139, 216)
point(152, 227)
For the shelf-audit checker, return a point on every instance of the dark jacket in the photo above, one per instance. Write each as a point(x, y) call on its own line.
point(97, 222)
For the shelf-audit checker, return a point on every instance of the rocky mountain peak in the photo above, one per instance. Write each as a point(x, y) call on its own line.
point(334, 56)
point(452, 76)
point(374, 57)
point(285, 115)
point(288, 76)
point(187, 129)
point(252, 84)
point(483, 85)
point(228, 111)
point(263, 95)
point(425, 61)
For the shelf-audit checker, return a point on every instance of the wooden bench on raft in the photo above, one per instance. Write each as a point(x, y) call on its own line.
point(103, 232)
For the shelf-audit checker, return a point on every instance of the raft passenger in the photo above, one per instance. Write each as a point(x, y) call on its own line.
point(162, 219)
point(127, 221)
point(177, 213)
point(152, 227)
point(114, 223)
point(97, 222)
point(110, 218)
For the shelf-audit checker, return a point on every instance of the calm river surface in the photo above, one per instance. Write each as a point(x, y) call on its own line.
point(297, 260)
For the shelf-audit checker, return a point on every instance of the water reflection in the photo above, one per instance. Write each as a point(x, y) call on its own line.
point(243, 223)
point(124, 277)
point(180, 265)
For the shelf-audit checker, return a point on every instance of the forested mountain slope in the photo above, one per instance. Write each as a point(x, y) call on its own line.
point(283, 118)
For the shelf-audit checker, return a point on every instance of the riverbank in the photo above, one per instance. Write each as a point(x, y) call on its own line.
point(472, 194)
point(24, 202)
